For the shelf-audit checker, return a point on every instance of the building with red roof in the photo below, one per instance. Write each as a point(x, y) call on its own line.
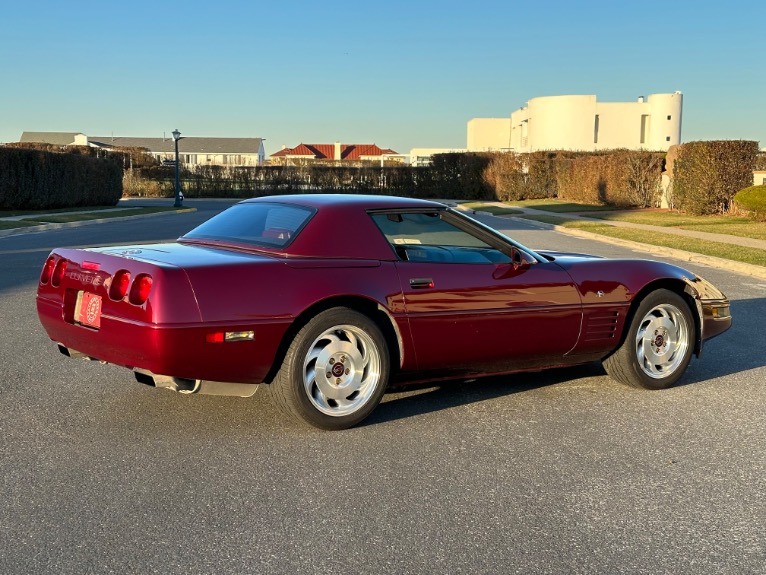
point(331, 153)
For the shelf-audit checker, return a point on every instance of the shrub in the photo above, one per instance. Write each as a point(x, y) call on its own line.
point(38, 179)
point(707, 175)
point(753, 199)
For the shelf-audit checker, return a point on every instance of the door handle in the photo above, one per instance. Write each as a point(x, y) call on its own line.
point(421, 283)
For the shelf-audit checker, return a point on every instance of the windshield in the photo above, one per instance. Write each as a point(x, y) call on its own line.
point(261, 224)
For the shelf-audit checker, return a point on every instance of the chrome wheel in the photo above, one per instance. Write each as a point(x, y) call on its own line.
point(662, 341)
point(342, 370)
point(658, 342)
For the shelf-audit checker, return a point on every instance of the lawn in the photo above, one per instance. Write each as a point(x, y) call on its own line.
point(732, 252)
point(491, 208)
point(558, 206)
point(65, 217)
point(12, 225)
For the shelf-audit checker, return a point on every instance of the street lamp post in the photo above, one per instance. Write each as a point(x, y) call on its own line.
point(179, 198)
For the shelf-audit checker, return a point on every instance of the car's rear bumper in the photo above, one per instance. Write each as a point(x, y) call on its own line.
point(180, 351)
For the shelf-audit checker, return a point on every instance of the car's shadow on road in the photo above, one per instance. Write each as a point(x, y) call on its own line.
point(731, 353)
point(417, 400)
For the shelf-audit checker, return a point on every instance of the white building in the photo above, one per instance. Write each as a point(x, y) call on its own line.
point(583, 124)
point(193, 151)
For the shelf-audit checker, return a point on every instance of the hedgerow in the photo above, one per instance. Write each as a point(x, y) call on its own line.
point(41, 179)
point(707, 175)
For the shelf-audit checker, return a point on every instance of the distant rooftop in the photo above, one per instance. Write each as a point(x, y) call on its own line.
point(327, 151)
point(156, 145)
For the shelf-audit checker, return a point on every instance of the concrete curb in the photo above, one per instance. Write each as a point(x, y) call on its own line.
point(712, 261)
point(46, 227)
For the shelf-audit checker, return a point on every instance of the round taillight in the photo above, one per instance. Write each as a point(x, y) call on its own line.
point(45, 277)
point(120, 284)
point(58, 273)
point(139, 293)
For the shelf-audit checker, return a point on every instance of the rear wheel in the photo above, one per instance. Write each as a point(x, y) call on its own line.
point(658, 345)
point(335, 371)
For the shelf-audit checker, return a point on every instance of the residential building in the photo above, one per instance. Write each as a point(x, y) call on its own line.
point(582, 123)
point(303, 154)
point(192, 151)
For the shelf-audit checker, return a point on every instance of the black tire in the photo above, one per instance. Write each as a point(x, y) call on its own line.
point(658, 345)
point(335, 371)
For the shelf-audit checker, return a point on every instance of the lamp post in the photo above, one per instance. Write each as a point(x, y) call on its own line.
point(179, 198)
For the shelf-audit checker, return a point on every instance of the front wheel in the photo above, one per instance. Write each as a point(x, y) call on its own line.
point(335, 371)
point(658, 345)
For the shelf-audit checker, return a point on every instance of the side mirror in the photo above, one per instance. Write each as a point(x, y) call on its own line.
point(519, 259)
point(518, 262)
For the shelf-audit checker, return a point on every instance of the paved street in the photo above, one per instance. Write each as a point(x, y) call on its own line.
point(562, 471)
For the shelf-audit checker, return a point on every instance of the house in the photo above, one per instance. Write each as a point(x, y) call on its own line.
point(582, 123)
point(192, 151)
point(303, 154)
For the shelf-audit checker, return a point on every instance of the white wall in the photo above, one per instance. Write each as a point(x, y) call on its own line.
point(488, 134)
point(580, 122)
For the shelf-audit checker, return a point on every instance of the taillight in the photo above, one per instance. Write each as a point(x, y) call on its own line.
point(58, 273)
point(45, 277)
point(139, 293)
point(120, 284)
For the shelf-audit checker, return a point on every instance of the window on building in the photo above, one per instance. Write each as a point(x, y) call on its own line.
point(595, 129)
point(668, 117)
point(644, 127)
point(667, 138)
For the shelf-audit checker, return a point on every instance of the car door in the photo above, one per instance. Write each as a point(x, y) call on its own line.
point(471, 307)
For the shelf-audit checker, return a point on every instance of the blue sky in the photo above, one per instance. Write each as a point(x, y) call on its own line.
point(400, 74)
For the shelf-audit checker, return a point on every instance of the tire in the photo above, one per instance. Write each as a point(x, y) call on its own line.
point(658, 344)
point(335, 371)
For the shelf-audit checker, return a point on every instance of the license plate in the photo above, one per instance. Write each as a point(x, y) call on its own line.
point(89, 309)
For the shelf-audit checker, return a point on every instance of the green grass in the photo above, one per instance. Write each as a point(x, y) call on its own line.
point(65, 218)
point(10, 213)
point(69, 217)
point(492, 209)
point(14, 225)
point(730, 225)
point(558, 206)
point(732, 252)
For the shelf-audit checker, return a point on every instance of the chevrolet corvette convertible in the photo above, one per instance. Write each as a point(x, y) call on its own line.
point(330, 299)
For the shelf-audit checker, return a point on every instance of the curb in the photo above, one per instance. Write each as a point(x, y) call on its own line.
point(46, 227)
point(712, 261)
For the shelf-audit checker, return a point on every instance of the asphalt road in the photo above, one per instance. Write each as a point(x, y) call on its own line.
point(555, 472)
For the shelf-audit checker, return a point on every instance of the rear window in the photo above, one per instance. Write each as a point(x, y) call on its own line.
point(262, 224)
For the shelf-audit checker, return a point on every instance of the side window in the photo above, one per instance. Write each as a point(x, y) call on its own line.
point(426, 237)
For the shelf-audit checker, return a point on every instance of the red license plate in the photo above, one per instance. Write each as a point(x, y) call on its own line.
point(89, 309)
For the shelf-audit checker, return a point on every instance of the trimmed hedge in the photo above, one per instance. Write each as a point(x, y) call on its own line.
point(33, 179)
point(753, 199)
point(707, 175)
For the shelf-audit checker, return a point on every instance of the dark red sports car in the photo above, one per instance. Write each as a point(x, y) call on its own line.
point(329, 299)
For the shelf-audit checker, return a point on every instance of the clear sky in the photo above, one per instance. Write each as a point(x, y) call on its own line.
point(400, 74)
